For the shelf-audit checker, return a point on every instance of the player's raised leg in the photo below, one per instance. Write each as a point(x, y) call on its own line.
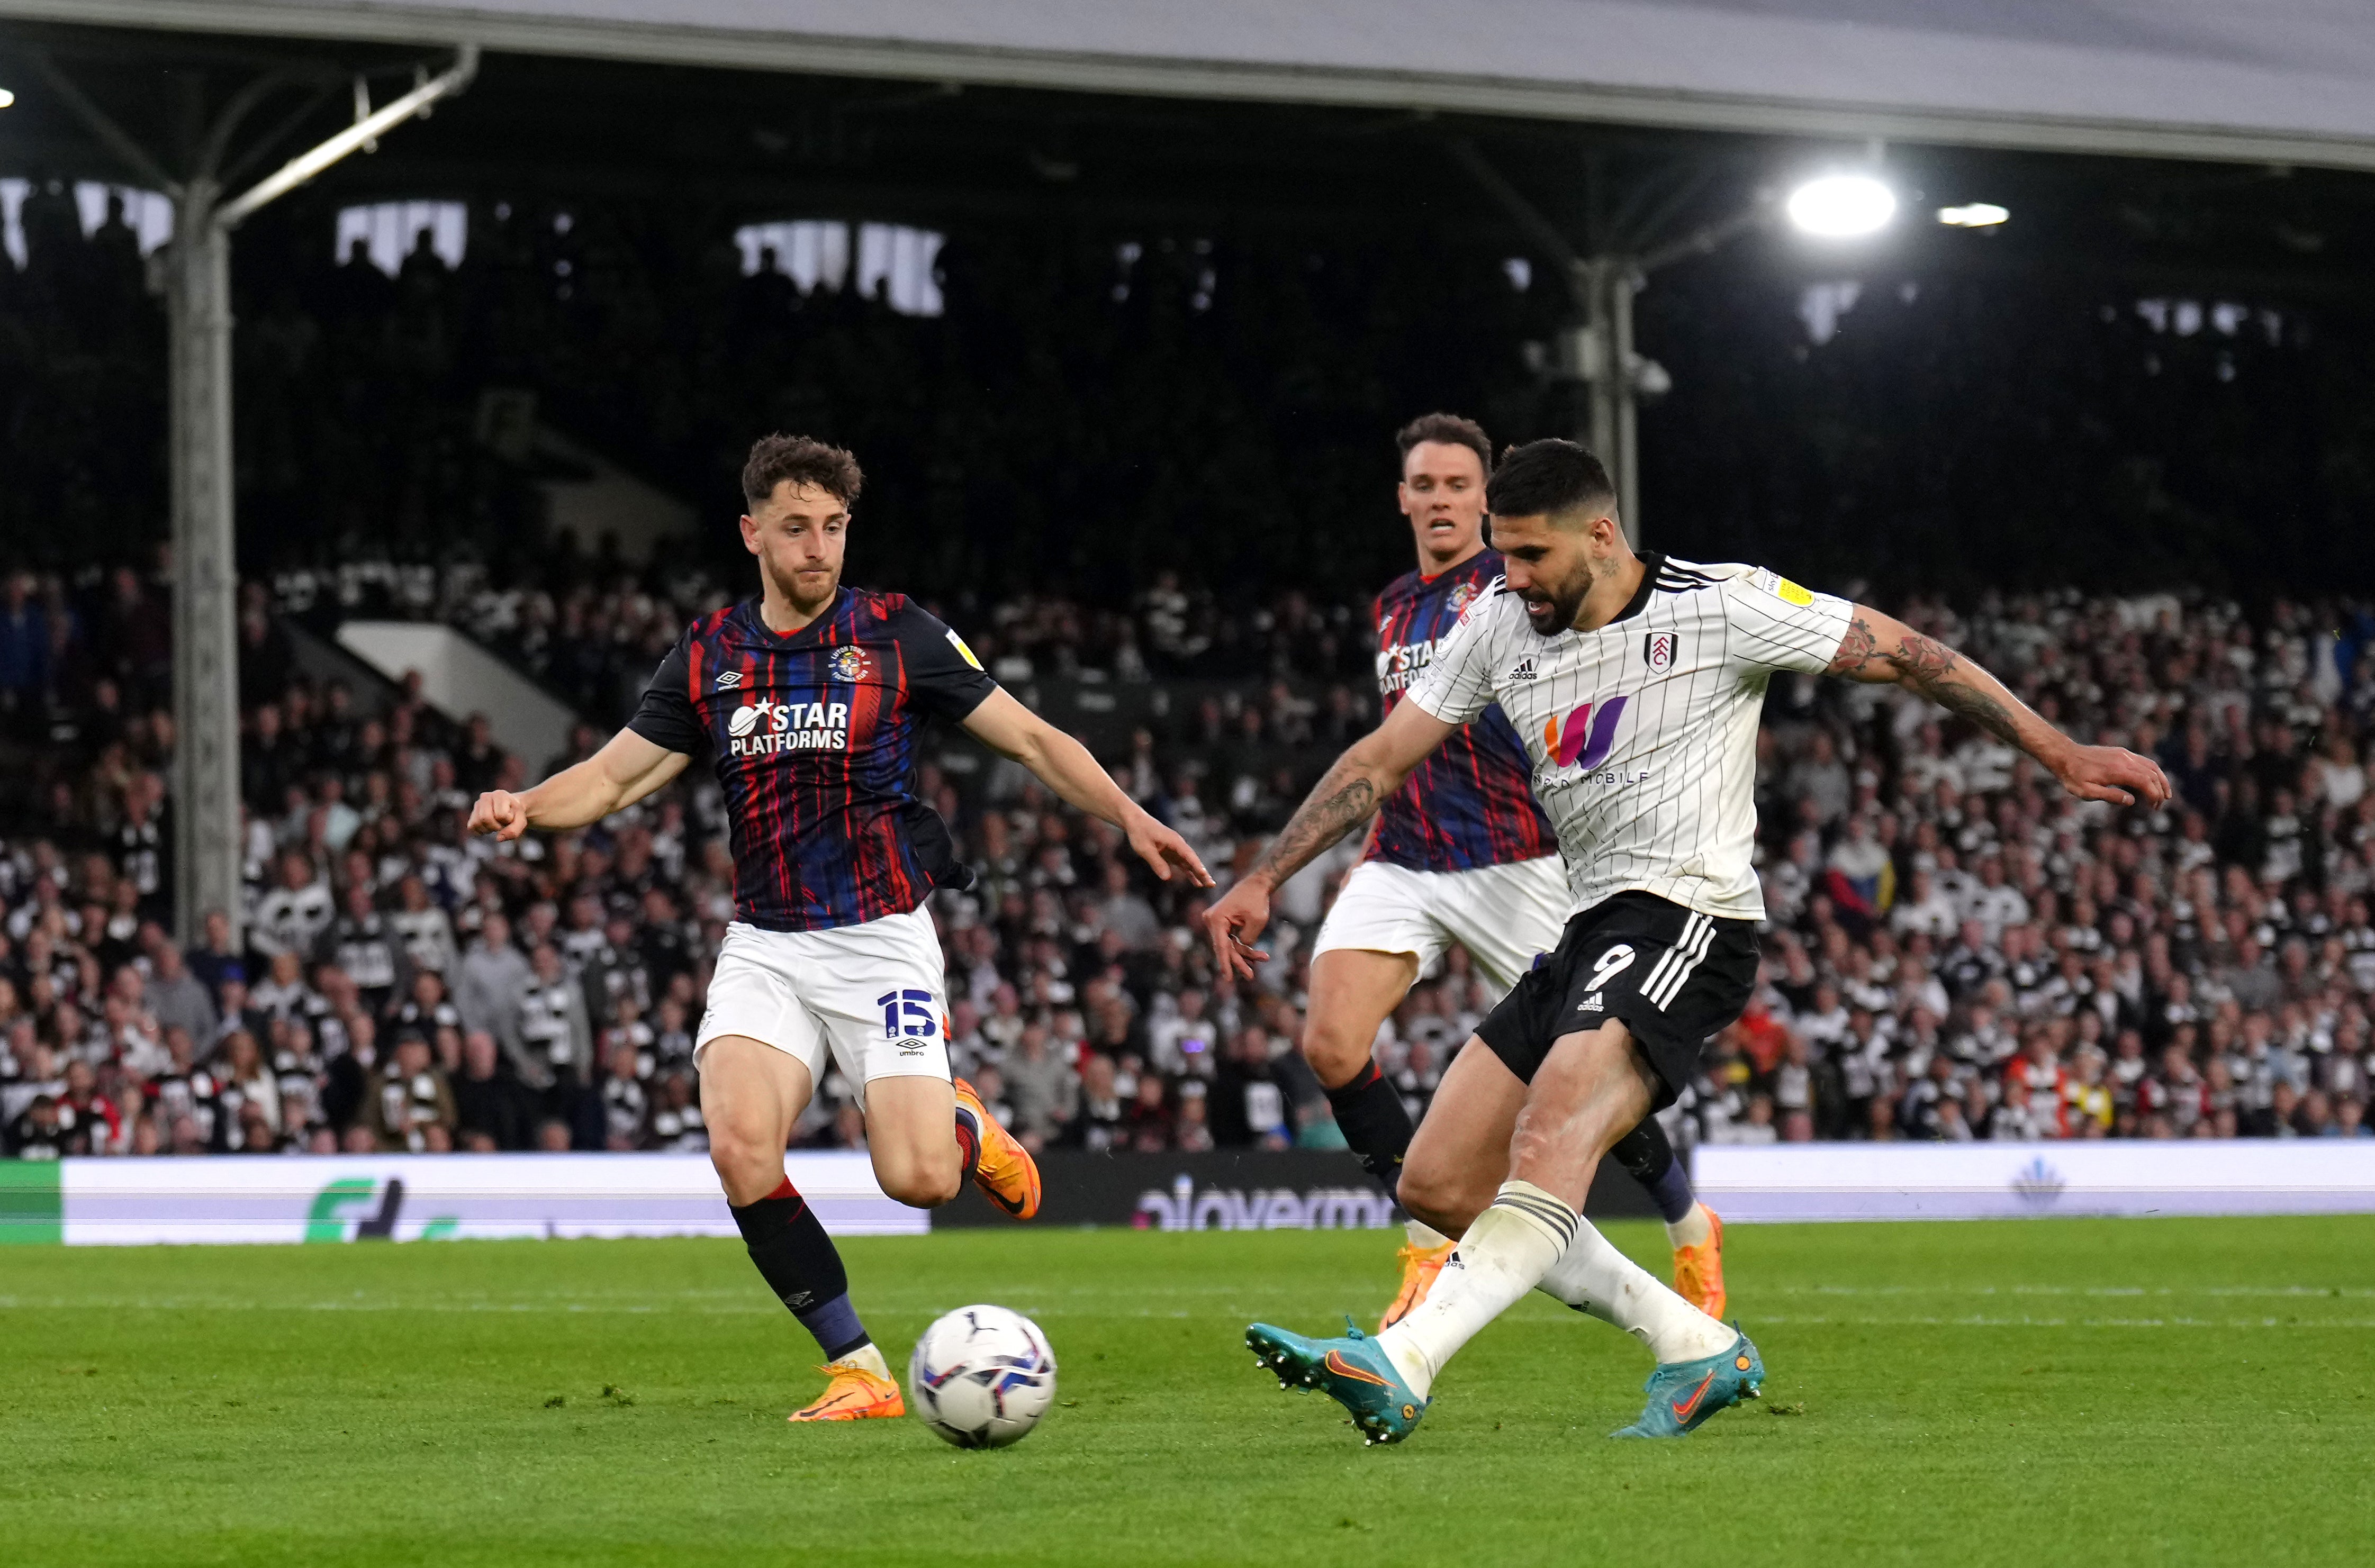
point(908, 1135)
point(751, 1096)
point(878, 990)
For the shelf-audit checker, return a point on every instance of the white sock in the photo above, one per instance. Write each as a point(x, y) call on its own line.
point(1692, 1229)
point(1593, 1276)
point(1503, 1255)
point(868, 1357)
point(1423, 1235)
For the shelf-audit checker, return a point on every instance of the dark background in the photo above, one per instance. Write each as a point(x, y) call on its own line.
point(1996, 408)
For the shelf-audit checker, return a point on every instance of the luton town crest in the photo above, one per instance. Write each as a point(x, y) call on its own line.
point(1460, 597)
point(1662, 651)
point(850, 662)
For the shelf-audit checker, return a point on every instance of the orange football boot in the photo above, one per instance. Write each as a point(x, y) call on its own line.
point(1698, 1271)
point(854, 1395)
point(1420, 1266)
point(1005, 1173)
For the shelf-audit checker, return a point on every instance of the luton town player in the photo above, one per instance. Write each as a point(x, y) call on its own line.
point(810, 696)
point(1460, 852)
point(1637, 683)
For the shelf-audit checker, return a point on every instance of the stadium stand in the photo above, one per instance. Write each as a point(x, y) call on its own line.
point(1955, 950)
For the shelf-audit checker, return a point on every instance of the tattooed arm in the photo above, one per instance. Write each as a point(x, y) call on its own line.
point(1370, 770)
point(1881, 649)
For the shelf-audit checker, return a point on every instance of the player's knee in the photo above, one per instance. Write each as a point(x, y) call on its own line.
point(1334, 1053)
point(919, 1181)
point(1436, 1198)
point(748, 1168)
point(1532, 1142)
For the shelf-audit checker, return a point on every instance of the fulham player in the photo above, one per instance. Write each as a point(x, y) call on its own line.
point(1636, 682)
point(1460, 853)
point(807, 697)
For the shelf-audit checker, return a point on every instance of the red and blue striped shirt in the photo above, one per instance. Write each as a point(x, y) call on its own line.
point(1471, 803)
point(814, 736)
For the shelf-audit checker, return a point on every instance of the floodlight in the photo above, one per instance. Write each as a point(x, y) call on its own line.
point(1840, 207)
point(1973, 215)
point(7, 97)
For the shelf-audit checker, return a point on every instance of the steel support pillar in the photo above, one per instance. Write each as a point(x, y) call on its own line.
point(1608, 367)
point(207, 821)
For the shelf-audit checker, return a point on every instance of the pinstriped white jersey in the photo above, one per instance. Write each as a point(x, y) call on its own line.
point(1643, 733)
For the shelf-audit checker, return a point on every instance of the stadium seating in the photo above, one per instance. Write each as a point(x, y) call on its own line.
point(1957, 950)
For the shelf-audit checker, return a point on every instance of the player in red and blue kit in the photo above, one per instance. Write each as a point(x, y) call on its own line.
point(809, 699)
point(1460, 852)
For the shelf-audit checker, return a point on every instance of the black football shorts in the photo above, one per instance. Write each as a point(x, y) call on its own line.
point(1675, 977)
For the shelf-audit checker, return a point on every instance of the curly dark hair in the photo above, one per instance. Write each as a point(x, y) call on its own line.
point(804, 461)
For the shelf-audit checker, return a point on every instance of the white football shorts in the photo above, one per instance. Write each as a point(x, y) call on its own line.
point(1505, 915)
point(869, 997)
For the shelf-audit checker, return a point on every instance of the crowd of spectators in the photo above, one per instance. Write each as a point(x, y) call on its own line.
point(1956, 948)
point(594, 641)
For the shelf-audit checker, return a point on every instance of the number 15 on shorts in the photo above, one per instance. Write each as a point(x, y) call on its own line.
point(907, 1013)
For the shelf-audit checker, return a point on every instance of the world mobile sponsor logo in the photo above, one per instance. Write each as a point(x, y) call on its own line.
point(1585, 738)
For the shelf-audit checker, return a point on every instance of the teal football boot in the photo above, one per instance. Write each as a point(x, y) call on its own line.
point(1684, 1394)
point(1353, 1371)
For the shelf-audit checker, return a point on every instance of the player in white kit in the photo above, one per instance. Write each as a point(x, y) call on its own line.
point(1637, 683)
point(1460, 853)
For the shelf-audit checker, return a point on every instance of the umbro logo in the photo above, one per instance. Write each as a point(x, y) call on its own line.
point(1525, 670)
point(730, 679)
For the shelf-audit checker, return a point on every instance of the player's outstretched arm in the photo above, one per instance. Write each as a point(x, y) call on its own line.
point(1371, 769)
point(622, 772)
point(1064, 765)
point(1881, 649)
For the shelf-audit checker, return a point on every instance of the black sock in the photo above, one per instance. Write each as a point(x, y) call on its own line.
point(1651, 1161)
point(800, 1265)
point(1370, 1113)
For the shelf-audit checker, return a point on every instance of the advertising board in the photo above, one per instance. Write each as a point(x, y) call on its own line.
point(413, 1198)
point(1998, 1180)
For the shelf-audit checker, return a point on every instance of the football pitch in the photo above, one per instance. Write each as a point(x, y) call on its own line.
point(2037, 1392)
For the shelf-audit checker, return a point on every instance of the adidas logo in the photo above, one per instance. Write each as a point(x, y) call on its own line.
point(1591, 1004)
point(1525, 670)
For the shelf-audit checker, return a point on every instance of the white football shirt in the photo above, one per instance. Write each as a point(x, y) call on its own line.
point(1643, 733)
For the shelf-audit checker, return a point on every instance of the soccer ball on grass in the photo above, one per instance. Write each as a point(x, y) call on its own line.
point(982, 1376)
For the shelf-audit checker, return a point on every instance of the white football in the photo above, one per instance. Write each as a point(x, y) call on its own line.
point(982, 1376)
point(742, 720)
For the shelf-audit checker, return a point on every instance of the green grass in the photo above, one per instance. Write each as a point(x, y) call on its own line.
point(2049, 1391)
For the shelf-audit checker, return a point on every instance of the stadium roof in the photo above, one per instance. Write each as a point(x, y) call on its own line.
point(2289, 81)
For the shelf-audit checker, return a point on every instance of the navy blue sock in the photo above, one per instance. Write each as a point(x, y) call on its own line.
point(1370, 1114)
point(1651, 1161)
point(968, 1142)
point(800, 1265)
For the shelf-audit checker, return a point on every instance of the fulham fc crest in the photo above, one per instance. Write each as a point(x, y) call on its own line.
point(1662, 651)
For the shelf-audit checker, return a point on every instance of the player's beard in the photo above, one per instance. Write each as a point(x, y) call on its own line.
point(1556, 612)
point(801, 596)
